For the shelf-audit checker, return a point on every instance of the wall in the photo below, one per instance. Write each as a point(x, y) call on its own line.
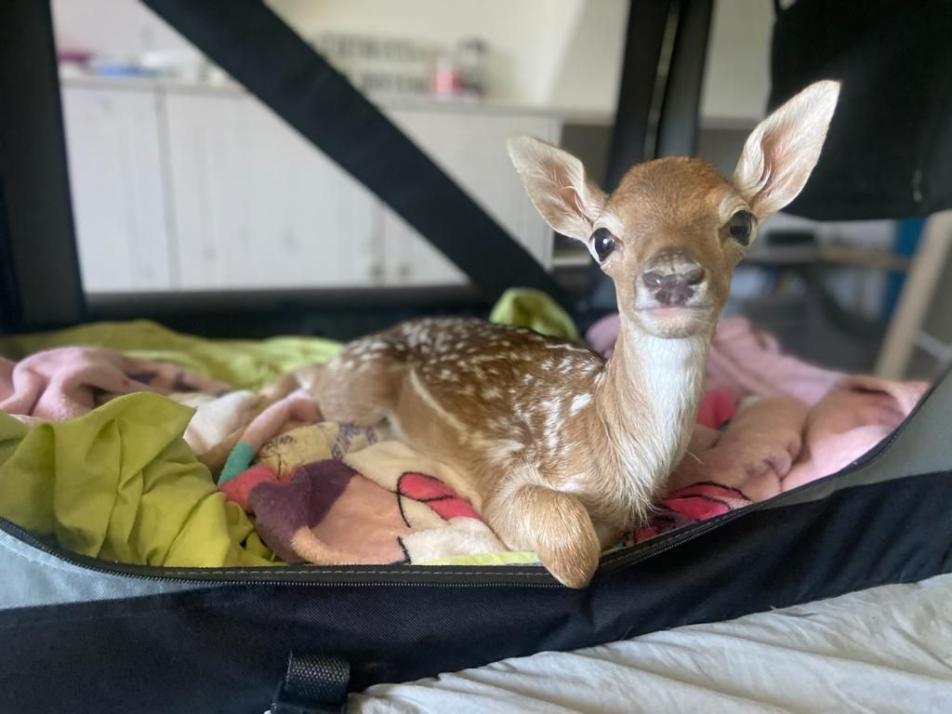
point(590, 68)
point(562, 53)
point(120, 29)
point(737, 76)
point(528, 37)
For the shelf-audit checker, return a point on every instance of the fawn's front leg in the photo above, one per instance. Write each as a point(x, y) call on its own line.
point(553, 524)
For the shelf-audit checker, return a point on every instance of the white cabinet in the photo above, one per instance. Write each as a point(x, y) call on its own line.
point(471, 148)
point(179, 188)
point(116, 177)
point(257, 207)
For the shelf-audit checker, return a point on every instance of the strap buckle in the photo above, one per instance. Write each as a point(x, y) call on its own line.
point(313, 684)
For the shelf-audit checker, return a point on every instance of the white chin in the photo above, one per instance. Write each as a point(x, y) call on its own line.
point(675, 322)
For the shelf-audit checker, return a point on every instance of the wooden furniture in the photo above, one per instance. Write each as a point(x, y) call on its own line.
point(919, 340)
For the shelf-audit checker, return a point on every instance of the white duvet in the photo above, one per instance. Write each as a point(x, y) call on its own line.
point(888, 649)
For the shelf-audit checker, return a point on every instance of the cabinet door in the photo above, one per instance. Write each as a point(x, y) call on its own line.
point(471, 148)
point(256, 206)
point(116, 180)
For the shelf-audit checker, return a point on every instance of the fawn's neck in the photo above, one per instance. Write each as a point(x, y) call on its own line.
point(646, 404)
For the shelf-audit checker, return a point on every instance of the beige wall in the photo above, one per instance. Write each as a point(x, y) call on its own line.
point(590, 68)
point(527, 37)
point(561, 53)
point(737, 76)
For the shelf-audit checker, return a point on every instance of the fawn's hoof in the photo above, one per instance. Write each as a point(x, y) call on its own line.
point(574, 561)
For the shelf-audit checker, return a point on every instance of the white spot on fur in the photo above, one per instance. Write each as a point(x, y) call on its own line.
point(579, 402)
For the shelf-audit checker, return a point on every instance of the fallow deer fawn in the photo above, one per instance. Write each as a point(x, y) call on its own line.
point(561, 451)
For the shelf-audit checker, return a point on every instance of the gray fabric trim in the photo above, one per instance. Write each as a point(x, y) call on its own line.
point(31, 578)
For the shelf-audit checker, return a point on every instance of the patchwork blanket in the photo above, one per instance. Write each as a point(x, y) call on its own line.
point(382, 504)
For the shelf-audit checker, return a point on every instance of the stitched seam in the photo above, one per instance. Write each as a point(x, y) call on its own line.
point(318, 570)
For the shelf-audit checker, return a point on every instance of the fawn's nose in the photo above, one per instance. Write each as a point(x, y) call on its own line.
point(672, 277)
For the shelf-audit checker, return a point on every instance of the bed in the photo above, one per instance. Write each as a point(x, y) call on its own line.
point(886, 649)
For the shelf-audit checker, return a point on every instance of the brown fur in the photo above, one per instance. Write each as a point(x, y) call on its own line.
point(562, 450)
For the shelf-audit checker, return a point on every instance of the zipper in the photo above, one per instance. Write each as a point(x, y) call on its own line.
point(469, 576)
point(302, 575)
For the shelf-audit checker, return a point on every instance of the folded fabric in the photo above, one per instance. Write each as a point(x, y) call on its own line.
point(776, 444)
point(858, 413)
point(220, 422)
point(534, 309)
point(687, 505)
point(749, 361)
point(238, 489)
point(329, 512)
point(716, 409)
point(245, 364)
point(753, 454)
point(66, 382)
point(299, 407)
point(119, 483)
point(316, 442)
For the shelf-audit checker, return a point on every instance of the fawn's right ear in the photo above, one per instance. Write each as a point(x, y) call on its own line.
point(557, 185)
point(782, 151)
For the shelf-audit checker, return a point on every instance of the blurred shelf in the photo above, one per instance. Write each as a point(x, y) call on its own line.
point(841, 255)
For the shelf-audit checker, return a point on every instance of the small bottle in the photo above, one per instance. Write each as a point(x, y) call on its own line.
point(471, 61)
point(446, 78)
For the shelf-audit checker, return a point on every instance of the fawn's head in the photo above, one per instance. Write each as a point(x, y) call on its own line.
point(672, 232)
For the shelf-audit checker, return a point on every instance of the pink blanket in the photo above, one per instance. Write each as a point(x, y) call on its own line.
point(795, 423)
point(67, 382)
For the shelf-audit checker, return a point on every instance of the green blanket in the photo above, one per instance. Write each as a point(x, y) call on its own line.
point(120, 483)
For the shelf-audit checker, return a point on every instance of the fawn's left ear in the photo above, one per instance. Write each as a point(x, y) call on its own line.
point(782, 151)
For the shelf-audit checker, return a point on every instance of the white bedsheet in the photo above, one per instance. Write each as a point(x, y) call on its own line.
point(888, 649)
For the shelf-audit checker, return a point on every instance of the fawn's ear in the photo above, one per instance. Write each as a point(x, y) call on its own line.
point(557, 185)
point(781, 152)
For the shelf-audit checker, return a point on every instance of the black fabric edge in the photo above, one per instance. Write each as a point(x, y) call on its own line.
point(232, 642)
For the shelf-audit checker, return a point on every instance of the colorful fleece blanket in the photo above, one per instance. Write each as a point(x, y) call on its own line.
point(382, 504)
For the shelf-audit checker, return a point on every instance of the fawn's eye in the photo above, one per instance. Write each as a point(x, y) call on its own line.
point(604, 243)
point(740, 226)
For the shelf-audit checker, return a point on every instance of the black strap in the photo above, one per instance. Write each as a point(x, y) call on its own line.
point(680, 109)
point(313, 684)
point(40, 283)
point(259, 50)
point(645, 90)
point(644, 39)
